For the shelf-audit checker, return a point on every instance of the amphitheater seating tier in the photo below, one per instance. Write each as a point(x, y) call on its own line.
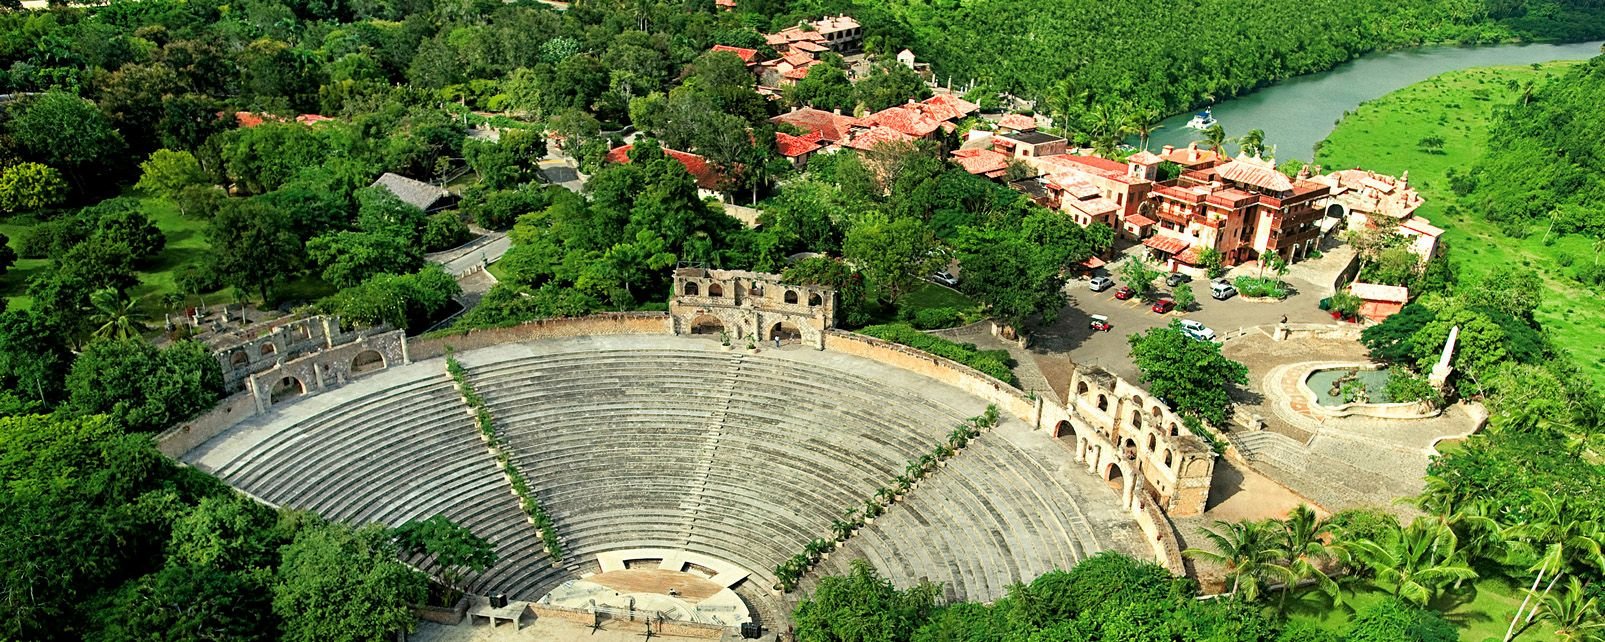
point(675, 444)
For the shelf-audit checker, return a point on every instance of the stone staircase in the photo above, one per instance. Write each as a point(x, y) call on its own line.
point(1271, 448)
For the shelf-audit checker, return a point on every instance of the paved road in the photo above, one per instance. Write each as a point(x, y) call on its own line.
point(484, 250)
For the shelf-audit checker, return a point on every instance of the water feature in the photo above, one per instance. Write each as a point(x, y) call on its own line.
point(1299, 112)
point(1327, 383)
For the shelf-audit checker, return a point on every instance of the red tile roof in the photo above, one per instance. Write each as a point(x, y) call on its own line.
point(981, 161)
point(1256, 172)
point(746, 55)
point(1139, 220)
point(866, 139)
point(308, 119)
point(794, 146)
point(1018, 122)
point(958, 105)
point(1095, 162)
point(699, 168)
point(1167, 244)
point(809, 46)
point(908, 119)
point(830, 126)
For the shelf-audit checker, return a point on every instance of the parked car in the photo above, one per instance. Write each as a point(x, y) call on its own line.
point(1125, 293)
point(945, 279)
point(1197, 330)
point(1221, 290)
point(1100, 283)
point(1163, 305)
point(1100, 323)
point(1176, 278)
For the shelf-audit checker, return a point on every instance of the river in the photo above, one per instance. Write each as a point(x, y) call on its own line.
point(1298, 113)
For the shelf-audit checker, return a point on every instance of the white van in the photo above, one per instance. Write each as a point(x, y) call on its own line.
point(1221, 290)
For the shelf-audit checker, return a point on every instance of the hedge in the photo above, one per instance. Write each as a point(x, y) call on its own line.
point(996, 363)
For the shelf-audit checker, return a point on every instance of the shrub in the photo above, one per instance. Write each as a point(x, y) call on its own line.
point(1260, 287)
point(934, 318)
point(444, 231)
point(988, 362)
point(1405, 386)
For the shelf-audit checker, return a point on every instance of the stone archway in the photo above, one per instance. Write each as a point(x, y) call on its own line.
point(706, 324)
point(367, 361)
point(690, 289)
point(786, 331)
point(285, 388)
point(1336, 210)
point(239, 359)
point(1114, 476)
point(267, 349)
point(715, 290)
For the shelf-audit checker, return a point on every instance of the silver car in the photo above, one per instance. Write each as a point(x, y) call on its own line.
point(1100, 283)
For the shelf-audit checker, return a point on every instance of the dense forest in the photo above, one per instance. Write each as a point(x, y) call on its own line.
point(1079, 59)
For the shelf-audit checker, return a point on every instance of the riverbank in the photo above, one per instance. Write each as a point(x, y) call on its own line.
point(1296, 114)
point(1383, 135)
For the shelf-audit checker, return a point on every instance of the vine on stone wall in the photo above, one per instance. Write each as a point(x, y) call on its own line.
point(504, 459)
point(791, 571)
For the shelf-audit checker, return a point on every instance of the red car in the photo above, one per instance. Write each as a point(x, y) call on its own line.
point(1124, 293)
point(1164, 305)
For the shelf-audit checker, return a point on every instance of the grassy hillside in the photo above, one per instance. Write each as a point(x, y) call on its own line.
point(1382, 135)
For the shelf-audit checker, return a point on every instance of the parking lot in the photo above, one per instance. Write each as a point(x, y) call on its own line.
point(1070, 335)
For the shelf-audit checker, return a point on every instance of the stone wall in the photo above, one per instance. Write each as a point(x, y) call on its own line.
point(330, 368)
point(750, 304)
point(1008, 398)
point(614, 323)
point(1139, 437)
point(180, 439)
point(259, 349)
point(659, 627)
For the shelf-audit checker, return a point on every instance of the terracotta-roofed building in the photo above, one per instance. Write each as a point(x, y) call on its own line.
point(1017, 123)
point(809, 47)
point(249, 119)
point(839, 33)
point(983, 162)
point(1192, 157)
point(1377, 301)
point(1112, 179)
point(866, 138)
point(959, 106)
point(1028, 144)
point(798, 149)
point(748, 56)
point(831, 127)
point(709, 181)
point(1423, 237)
point(910, 119)
point(1244, 209)
point(725, 5)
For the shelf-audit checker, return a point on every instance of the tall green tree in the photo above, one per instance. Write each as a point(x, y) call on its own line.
point(1190, 375)
point(893, 254)
point(450, 547)
point(336, 583)
point(253, 246)
point(863, 607)
point(1415, 561)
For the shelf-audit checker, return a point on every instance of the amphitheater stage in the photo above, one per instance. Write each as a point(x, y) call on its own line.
point(677, 444)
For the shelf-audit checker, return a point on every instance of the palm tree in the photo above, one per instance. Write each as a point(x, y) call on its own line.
point(1144, 122)
point(1301, 537)
point(1575, 613)
point(1248, 552)
point(1252, 143)
point(1108, 126)
point(1416, 560)
point(1466, 519)
point(114, 316)
point(1215, 137)
point(1558, 539)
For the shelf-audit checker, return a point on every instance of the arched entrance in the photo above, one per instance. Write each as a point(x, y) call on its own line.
point(286, 388)
point(715, 290)
point(367, 361)
point(706, 324)
point(1336, 210)
point(785, 331)
point(1114, 477)
point(239, 359)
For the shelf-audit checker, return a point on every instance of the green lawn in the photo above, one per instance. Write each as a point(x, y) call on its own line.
point(1480, 610)
point(930, 295)
point(1382, 135)
point(186, 242)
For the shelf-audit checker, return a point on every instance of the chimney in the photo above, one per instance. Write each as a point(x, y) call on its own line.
point(1166, 150)
point(837, 111)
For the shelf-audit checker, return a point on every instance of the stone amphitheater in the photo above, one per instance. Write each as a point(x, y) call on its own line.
point(672, 449)
point(685, 456)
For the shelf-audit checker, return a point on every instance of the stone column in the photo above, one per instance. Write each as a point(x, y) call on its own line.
point(406, 356)
point(256, 395)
